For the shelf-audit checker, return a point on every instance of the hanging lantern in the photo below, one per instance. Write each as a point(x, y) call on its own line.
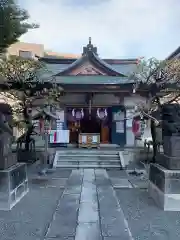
point(102, 113)
point(41, 125)
point(138, 127)
point(78, 114)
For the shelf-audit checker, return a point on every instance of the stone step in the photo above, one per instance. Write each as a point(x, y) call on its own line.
point(87, 159)
point(88, 163)
point(88, 155)
point(90, 166)
point(88, 152)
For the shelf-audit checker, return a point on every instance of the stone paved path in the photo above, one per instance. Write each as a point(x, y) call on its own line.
point(83, 204)
point(88, 210)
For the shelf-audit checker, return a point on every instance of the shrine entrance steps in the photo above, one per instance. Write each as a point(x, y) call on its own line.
point(87, 158)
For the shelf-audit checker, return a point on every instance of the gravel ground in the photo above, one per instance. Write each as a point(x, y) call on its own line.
point(30, 218)
point(145, 220)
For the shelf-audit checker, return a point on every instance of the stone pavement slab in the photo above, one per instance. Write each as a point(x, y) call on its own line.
point(88, 213)
point(86, 205)
point(73, 190)
point(113, 223)
point(88, 220)
point(111, 238)
point(140, 181)
point(88, 231)
point(117, 173)
point(123, 179)
point(119, 179)
point(30, 218)
point(61, 238)
point(146, 221)
point(46, 182)
point(65, 217)
point(120, 183)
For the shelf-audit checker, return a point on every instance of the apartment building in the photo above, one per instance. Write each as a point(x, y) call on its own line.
point(31, 50)
point(26, 50)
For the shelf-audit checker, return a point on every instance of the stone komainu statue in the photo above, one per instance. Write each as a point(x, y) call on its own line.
point(171, 120)
point(171, 129)
point(6, 135)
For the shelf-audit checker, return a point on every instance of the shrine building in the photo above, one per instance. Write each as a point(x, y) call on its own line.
point(98, 95)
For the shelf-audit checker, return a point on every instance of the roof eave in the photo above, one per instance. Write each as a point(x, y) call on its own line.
point(92, 57)
point(174, 54)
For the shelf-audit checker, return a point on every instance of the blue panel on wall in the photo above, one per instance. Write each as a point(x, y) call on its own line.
point(118, 137)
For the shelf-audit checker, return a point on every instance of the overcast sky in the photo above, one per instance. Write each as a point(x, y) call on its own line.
point(119, 28)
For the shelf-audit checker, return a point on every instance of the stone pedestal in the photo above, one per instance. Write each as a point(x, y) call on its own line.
point(13, 185)
point(8, 161)
point(7, 158)
point(169, 162)
point(164, 187)
point(171, 146)
point(26, 156)
point(170, 159)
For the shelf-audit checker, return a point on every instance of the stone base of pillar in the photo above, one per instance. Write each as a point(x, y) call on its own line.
point(164, 187)
point(169, 162)
point(13, 185)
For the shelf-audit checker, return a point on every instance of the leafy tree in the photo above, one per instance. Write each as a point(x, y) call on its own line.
point(13, 23)
point(23, 85)
point(161, 80)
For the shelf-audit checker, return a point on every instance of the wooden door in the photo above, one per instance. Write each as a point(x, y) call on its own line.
point(74, 131)
point(104, 134)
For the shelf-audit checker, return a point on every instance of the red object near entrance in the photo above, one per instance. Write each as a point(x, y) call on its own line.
point(55, 137)
point(41, 125)
point(136, 127)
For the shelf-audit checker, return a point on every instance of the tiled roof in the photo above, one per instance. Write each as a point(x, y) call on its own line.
point(111, 80)
point(174, 54)
point(95, 60)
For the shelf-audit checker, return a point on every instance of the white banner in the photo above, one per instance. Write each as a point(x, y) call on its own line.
point(120, 127)
point(59, 136)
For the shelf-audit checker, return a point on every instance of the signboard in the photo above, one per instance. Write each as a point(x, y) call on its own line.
point(120, 127)
point(59, 125)
point(60, 114)
point(118, 116)
point(129, 119)
point(59, 136)
point(89, 140)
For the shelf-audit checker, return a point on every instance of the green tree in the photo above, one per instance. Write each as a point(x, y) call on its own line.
point(23, 85)
point(161, 82)
point(13, 23)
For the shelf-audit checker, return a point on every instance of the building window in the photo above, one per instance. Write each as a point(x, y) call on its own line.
point(25, 54)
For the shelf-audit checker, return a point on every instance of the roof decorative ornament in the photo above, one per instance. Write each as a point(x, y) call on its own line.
point(89, 49)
